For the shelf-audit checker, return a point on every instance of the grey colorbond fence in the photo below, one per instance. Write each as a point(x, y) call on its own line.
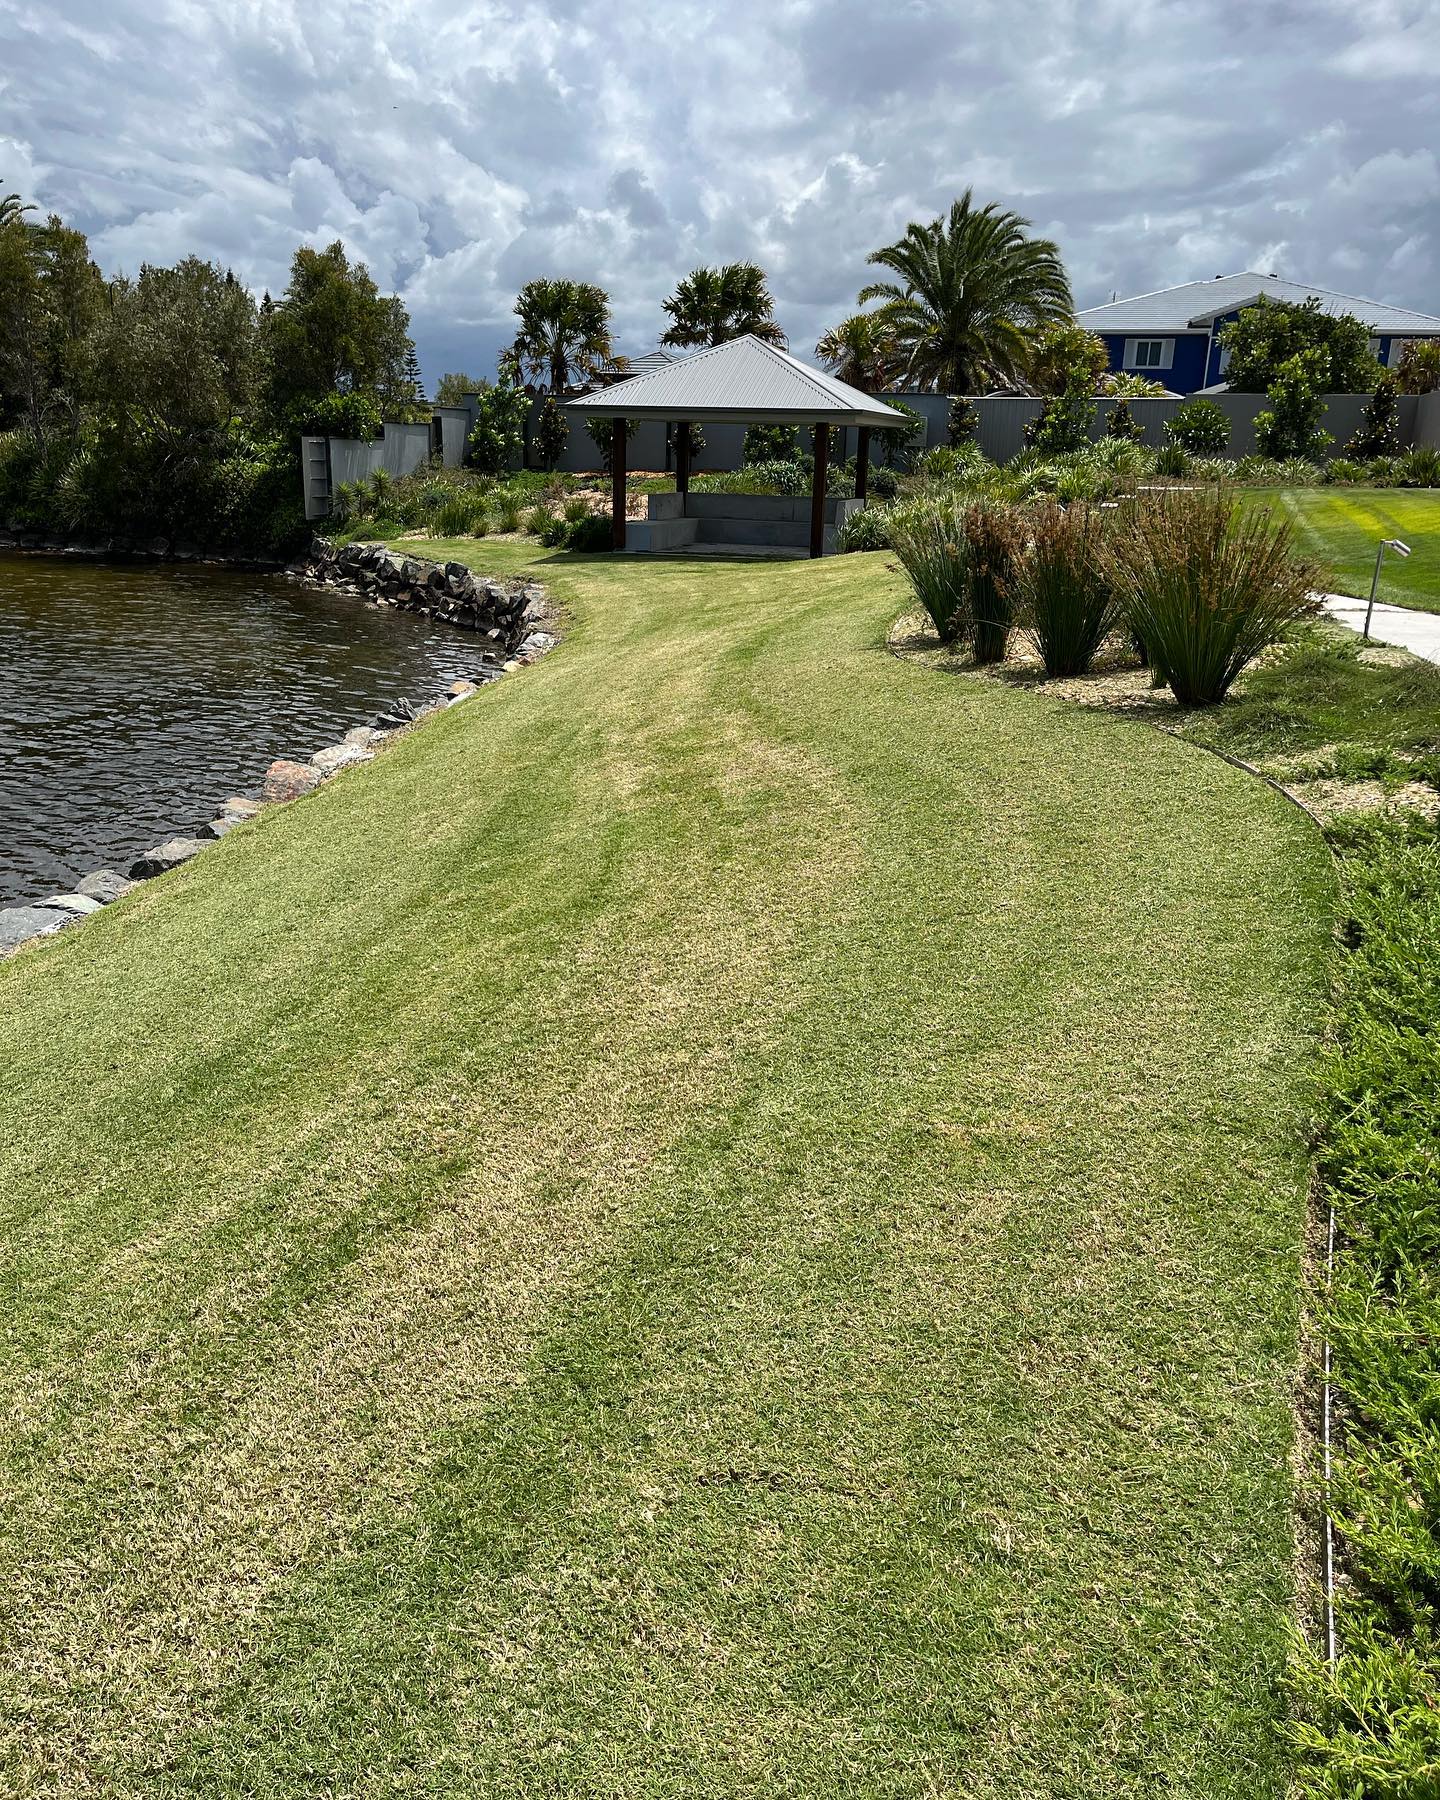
point(1003, 418)
point(326, 462)
point(400, 450)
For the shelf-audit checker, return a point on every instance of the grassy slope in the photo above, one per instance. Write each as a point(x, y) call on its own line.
point(1341, 529)
point(721, 1220)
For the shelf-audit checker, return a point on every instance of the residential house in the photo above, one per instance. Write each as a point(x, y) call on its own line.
point(1173, 336)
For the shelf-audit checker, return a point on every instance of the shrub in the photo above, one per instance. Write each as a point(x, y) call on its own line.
point(554, 531)
point(1271, 471)
point(956, 465)
point(1199, 427)
point(457, 516)
point(1419, 467)
point(575, 509)
point(1418, 370)
point(769, 444)
point(1381, 471)
point(1213, 468)
point(355, 415)
point(929, 538)
point(1378, 433)
point(884, 482)
point(1173, 460)
point(1066, 601)
point(590, 534)
point(1290, 426)
point(497, 438)
point(1344, 470)
point(868, 529)
point(994, 542)
point(963, 420)
point(1205, 586)
point(1121, 423)
point(1064, 421)
point(552, 433)
point(509, 510)
point(896, 442)
point(537, 519)
point(602, 436)
point(1122, 456)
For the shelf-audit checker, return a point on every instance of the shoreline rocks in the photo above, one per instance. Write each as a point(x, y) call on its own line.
point(117, 547)
point(505, 615)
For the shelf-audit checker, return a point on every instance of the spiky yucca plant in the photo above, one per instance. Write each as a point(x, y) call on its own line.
point(1066, 601)
point(1205, 586)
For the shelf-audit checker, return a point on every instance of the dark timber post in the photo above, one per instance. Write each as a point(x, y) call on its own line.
point(617, 485)
point(682, 459)
point(817, 498)
point(862, 462)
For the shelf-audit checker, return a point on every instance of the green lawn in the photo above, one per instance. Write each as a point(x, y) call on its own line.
point(1341, 528)
point(724, 1219)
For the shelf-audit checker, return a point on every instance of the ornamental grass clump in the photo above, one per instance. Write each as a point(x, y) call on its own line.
point(928, 536)
point(1065, 598)
point(1205, 586)
point(994, 542)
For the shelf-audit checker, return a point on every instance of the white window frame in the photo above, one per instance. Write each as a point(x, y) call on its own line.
point(1163, 346)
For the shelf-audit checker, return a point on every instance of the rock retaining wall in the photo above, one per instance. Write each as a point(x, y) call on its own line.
point(502, 612)
point(505, 615)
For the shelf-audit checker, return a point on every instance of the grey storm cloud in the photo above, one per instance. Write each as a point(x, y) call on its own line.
point(459, 150)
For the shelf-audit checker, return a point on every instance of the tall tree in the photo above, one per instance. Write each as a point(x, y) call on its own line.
point(332, 332)
point(452, 389)
point(972, 291)
point(177, 357)
point(862, 351)
point(564, 332)
point(51, 296)
point(1269, 334)
point(711, 306)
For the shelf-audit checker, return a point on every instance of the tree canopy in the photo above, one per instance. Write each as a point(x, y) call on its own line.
point(712, 306)
point(564, 332)
point(332, 331)
point(1270, 334)
point(862, 351)
point(972, 290)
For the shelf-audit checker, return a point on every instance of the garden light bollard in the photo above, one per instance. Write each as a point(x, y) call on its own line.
point(1385, 544)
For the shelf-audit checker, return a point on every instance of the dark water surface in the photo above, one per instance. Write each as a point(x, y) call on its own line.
point(133, 700)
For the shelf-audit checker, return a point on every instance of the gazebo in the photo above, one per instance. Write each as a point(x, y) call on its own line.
point(743, 382)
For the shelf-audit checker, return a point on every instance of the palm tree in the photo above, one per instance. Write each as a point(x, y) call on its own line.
point(711, 306)
point(862, 351)
point(973, 291)
point(12, 211)
point(564, 331)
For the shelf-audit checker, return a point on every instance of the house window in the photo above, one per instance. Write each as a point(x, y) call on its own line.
point(1149, 353)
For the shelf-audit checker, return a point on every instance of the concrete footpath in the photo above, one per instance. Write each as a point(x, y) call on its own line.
point(1418, 632)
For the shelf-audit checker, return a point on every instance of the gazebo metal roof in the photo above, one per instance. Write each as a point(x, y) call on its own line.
point(744, 381)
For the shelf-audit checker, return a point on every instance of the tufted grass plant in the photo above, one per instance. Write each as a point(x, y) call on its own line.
point(928, 536)
point(994, 537)
point(1067, 603)
point(1206, 585)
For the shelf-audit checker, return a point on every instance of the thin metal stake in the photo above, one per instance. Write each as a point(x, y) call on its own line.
point(1374, 583)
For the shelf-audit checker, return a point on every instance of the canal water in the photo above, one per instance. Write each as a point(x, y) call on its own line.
point(135, 698)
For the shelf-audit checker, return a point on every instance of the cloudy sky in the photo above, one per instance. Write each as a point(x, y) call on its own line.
point(461, 148)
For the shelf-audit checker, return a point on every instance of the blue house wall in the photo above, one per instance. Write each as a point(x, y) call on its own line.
point(1187, 369)
point(1197, 355)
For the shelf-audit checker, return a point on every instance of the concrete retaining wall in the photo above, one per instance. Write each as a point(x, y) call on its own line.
point(1427, 419)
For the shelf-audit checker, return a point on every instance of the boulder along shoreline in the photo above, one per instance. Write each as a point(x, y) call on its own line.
point(506, 617)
